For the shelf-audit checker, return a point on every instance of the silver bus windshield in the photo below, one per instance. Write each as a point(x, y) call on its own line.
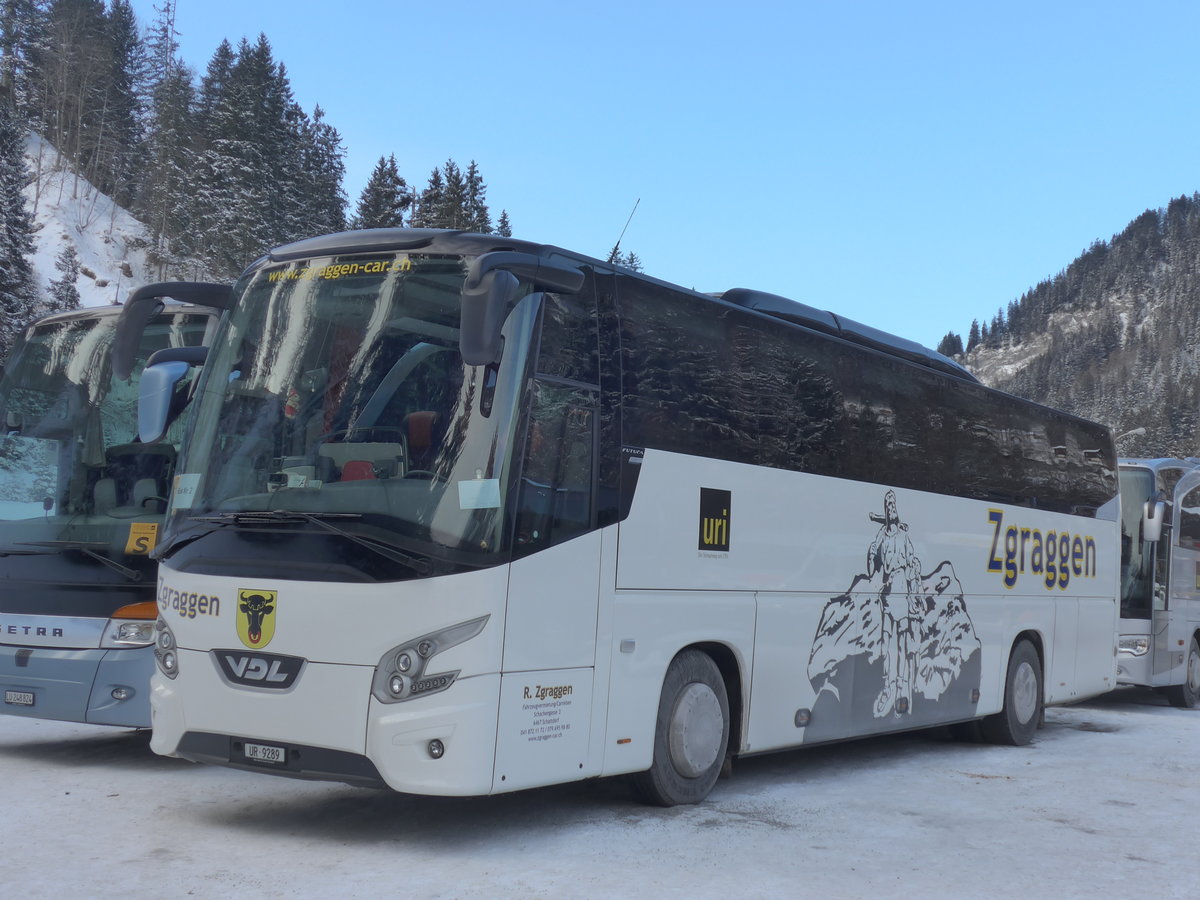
point(335, 402)
point(71, 469)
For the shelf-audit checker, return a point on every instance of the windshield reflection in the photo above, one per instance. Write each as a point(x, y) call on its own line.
point(72, 475)
point(337, 389)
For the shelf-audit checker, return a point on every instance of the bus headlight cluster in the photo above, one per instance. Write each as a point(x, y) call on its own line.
point(403, 672)
point(166, 653)
point(1134, 645)
point(131, 626)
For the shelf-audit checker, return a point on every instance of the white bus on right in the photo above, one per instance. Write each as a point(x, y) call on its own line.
point(1159, 642)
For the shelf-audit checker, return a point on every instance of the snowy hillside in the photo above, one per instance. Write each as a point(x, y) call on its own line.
point(1114, 337)
point(110, 243)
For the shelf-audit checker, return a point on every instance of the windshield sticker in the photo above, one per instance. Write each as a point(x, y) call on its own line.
point(142, 538)
point(334, 271)
point(184, 492)
point(479, 493)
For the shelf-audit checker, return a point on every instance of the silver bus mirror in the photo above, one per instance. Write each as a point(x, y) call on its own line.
point(155, 391)
point(1152, 520)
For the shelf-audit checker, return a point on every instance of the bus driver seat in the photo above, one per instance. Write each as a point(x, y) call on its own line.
point(419, 428)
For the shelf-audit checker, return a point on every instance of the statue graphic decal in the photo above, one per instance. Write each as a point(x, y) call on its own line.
point(898, 643)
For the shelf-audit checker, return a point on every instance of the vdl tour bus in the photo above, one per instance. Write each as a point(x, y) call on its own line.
point(459, 514)
point(1159, 644)
point(81, 502)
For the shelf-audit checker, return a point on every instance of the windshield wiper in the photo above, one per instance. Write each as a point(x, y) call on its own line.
point(257, 517)
point(87, 548)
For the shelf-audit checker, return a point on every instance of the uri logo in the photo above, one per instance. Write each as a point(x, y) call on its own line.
point(714, 519)
point(256, 616)
point(898, 644)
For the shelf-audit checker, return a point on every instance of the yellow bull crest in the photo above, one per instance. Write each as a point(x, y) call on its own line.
point(256, 616)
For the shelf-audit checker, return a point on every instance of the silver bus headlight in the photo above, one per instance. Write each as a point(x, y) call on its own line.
point(404, 671)
point(166, 653)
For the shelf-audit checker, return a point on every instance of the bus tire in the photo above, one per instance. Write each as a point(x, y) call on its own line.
point(1016, 723)
point(691, 733)
point(1187, 695)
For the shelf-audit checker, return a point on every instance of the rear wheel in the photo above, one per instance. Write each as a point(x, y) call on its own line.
point(1016, 723)
point(1187, 695)
point(690, 735)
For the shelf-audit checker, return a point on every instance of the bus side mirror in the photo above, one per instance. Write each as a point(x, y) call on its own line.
point(155, 392)
point(483, 307)
point(147, 302)
point(1152, 520)
point(492, 283)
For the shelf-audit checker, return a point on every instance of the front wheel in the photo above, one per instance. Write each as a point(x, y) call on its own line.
point(690, 735)
point(1016, 723)
point(1187, 695)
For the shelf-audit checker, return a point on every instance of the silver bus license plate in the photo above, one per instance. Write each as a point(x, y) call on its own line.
point(264, 753)
point(18, 698)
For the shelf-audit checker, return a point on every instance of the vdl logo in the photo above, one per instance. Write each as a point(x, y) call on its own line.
point(256, 617)
point(714, 519)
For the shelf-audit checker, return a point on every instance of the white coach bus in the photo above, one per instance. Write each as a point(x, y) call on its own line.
point(1159, 644)
point(459, 514)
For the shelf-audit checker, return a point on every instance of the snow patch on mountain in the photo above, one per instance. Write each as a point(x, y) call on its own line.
point(110, 243)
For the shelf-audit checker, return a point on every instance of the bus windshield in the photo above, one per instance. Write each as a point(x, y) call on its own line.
point(71, 470)
point(336, 404)
point(1137, 555)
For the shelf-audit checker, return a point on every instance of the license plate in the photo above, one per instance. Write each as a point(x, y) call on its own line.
point(19, 698)
point(264, 753)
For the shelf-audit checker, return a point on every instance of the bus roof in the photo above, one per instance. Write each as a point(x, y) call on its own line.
point(784, 308)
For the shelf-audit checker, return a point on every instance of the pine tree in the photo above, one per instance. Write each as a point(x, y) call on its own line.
point(973, 336)
point(119, 154)
point(214, 85)
point(950, 345)
point(475, 204)
point(64, 295)
point(453, 210)
point(322, 171)
point(166, 194)
point(232, 211)
point(503, 228)
point(629, 260)
point(430, 202)
point(17, 291)
point(86, 109)
point(24, 44)
point(384, 200)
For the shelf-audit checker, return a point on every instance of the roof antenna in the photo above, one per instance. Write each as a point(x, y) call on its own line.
point(616, 250)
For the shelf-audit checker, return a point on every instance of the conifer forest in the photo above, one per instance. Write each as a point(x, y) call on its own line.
point(221, 164)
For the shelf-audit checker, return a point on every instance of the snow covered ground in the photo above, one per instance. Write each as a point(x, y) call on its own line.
point(1105, 804)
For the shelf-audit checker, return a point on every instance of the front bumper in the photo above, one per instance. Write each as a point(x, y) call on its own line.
point(78, 685)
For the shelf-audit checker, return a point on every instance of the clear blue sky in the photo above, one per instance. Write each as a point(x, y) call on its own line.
point(911, 165)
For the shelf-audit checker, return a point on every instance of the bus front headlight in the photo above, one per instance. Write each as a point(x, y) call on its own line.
point(403, 672)
point(1134, 645)
point(131, 626)
point(166, 654)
